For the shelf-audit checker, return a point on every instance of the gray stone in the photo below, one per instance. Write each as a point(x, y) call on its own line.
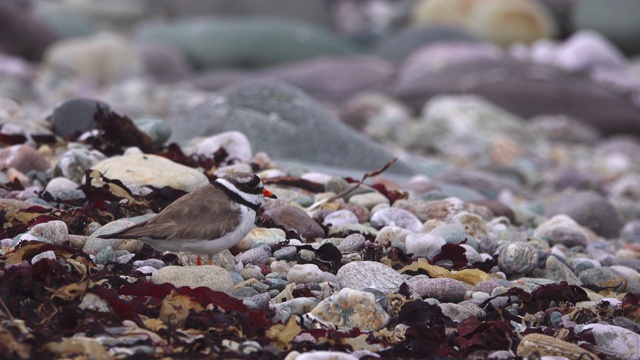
point(341, 217)
point(445, 290)
point(588, 209)
point(353, 242)
point(396, 217)
point(610, 278)
point(369, 274)
point(297, 306)
point(157, 129)
point(75, 116)
point(306, 131)
point(23, 158)
point(295, 218)
point(211, 276)
point(305, 273)
point(220, 42)
point(286, 253)
point(615, 20)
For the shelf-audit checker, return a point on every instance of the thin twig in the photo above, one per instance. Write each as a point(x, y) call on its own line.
point(350, 189)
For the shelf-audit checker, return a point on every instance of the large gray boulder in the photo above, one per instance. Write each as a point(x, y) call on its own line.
point(286, 123)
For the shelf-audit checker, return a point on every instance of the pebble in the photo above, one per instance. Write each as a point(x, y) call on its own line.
point(147, 169)
point(74, 162)
point(539, 345)
point(50, 255)
point(321, 355)
point(305, 273)
point(235, 143)
point(445, 290)
point(23, 158)
point(461, 311)
point(359, 275)
point(244, 292)
point(251, 273)
point(558, 271)
point(286, 253)
point(426, 210)
point(424, 245)
point(351, 308)
point(615, 341)
point(396, 217)
point(257, 256)
point(340, 217)
point(392, 234)
point(351, 243)
point(156, 129)
point(307, 255)
point(93, 302)
point(517, 258)
point(270, 237)
point(55, 231)
point(368, 200)
point(256, 302)
point(64, 189)
point(295, 218)
point(588, 209)
point(211, 276)
point(627, 281)
point(75, 116)
point(94, 244)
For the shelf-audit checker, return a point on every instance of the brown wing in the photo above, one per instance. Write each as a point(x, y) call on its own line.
point(201, 214)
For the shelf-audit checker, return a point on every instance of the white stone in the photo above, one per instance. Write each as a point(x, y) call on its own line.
point(424, 245)
point(341, 217)
point(305, 273)
point(235, 143)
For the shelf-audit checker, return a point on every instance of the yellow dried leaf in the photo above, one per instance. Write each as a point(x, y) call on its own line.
point(470, 276)
point(71, 291)
point(284, 334)
point(16, 256)
point(153, 324)
point(360, 343)
point(175, 308)
point(79, 345)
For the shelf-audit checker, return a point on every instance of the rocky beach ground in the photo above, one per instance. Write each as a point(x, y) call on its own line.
point(443, 192)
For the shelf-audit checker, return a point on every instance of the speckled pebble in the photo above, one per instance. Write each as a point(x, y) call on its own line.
point(154, 263)
point(251, 273)
point(353, 242)
point(352, 308)
point(369, 274)
point(298, 306)
point(445, 290)
point(517, 258)
point(369, 200)
point(305, 273)
point(307, 255)
point(211, 276)
point(615, 341)
point(244, 292)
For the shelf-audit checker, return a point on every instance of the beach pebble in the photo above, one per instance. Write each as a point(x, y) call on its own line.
point(351, 308)
point(74, 162)
point(295, 218)
point(544, 346)
point(322, 355)
point(424, 245)
point(425, 210)
point(590, 210)
point(64, 189)
point(270, 237)
point(392, 234)
point(353, 242)
point(368, 200)
point(23, 158)
point(460, 312)
point(211, 276)
point(257, 256)
point(147, 169)
point(156, 129)
point(305, 273)
point(517, 258)
point(234, 143)
point(445, 290)
point(359, 275)
point(397, 217)
point(341, 217)
point(75, 116)
point(286, 253)
point(615, 341)
point(55, 231)
point(94, 244)
point(297, 306)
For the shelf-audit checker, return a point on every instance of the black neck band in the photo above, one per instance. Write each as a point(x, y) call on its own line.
point(236, 197)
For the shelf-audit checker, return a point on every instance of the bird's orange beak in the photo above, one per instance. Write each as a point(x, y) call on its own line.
point(268, 194)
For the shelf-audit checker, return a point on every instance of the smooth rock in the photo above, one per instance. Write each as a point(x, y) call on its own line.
point(303, 126)
point(211, 276)
point(100, 59)
point(94, 244)
point(55, 231)
point(157, 129)
point(305, 273)
point(298, 306)
point(74, 117)
point(563, 224)
point(615, 341)
point(542, 346)
point(23, 158)
point(295, 218)
point(147, 169)
point(368, 200)
point(392, 234)
point(352, 308)
point(341, 217)
point(459, 312)
point(517, 258)
point(256, 256)
point(285, 253)
point(424, 245)
point(64, 189)
point(425, 210)
point(220, 42)
point(396, 217)
point(588, 209)
point(445, 290)
point(627, 280)
point(351, 243)
point(558, 271)
point(359, 275)
point(74, 162)
point(234, 143)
